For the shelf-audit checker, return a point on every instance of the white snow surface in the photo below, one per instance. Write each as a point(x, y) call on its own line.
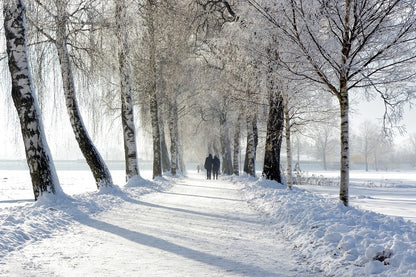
point(189, 226)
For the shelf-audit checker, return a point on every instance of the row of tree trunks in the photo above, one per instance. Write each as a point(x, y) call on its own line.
point(41, 167)
point(94, 160)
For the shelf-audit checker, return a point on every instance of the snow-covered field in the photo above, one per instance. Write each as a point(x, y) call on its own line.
point(236, 226)
point(390, 193)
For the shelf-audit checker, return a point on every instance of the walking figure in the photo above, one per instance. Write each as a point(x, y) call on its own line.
point(208, 166)
point(216, 166)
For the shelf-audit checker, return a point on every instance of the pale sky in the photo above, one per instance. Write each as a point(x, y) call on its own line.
point(374, 110)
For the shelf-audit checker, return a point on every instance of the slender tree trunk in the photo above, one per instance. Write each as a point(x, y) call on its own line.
point(127, 114)
point(250, 149)
point(38, 157)
point(173, 137)
point(256, 137)
point(157, 152)
point(288, 140)
point(157, 158)
point(271, 167)
point(94, 160)
point(298, 152)
point(366, 153)
point(246, 157)
point(324, 156)
point(181, 159)
point(164, 147)
point(227, 167)
point(344, 108)
point(236, 146)
point(253, 146)
point(345, 153)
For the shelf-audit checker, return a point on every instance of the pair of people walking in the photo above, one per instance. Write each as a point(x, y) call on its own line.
point(212, 165)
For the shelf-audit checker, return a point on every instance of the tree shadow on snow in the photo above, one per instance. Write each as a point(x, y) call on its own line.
point(199, 256)
point(211, 215)
point(202, 196)
point(205, 187)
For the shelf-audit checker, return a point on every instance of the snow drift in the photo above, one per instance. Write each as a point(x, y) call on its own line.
point(339, 240)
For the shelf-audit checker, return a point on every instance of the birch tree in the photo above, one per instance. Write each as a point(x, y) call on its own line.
point(288, 135)
point(41, 167)
point(95, 161)
point(173, 131)
point(347, 46)
point(322, 135)
point(236, 145)
point(154, 111)
point(369, 135)
point(58, 16)
point(127, 114)
point(252, 141)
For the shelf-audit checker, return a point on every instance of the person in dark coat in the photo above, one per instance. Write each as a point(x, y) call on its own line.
point(208, 166)
point(216, 166)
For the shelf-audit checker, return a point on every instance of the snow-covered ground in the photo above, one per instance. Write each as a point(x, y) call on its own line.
point(390, 193)
point(235, 226)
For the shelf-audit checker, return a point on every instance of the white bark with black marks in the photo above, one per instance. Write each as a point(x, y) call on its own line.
point(94, 160)
point(250, 167)
point(236, 146)
point(154, 113)
point(127, 114)
point(163, 147)
point(173, 131)
point(289, 157)
point(345, 152)
point(41, 167)
point(227, 167)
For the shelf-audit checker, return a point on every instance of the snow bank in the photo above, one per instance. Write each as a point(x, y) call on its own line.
point(338, 240)
point(20, 225)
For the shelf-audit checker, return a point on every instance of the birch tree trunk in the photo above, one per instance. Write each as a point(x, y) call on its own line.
point(250, 149)
point(41, 167)
point(94, 160)
point(127, 114)
point(253, 150)
point(324, 147)
point(344, 107)
point(366, 153)
point(173, 111)
point(154, 113)
point(236, 146)
point(180, 156)
point(164, 147)
point(271, 167)
point(345, 153)
point(288, 140)
point(227, 167)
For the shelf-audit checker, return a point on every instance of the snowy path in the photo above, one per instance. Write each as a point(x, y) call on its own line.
point(197, 228)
